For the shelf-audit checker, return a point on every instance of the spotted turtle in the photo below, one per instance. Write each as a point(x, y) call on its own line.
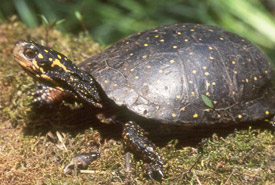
point(180, 74)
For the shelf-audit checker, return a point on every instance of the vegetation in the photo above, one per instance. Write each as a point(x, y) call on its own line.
point(36, 143)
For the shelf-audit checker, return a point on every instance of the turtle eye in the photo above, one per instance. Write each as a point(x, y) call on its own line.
point(30, 53)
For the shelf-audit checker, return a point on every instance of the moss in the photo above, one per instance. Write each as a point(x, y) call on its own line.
point(31, 152)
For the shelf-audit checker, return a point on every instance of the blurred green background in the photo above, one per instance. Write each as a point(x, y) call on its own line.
point(110, 20)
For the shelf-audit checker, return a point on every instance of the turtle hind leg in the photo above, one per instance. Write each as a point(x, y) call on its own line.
point(134, 138)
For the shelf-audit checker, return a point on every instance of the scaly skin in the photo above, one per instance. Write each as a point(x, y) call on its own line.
point(63, 77)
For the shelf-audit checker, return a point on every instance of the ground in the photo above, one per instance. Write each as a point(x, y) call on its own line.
point(37, 142)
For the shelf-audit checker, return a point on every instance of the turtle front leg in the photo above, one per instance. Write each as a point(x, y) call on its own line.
point(134, 137)
point(46, 95)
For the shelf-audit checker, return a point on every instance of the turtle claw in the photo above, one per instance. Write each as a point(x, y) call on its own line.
point(81, 160)
point(154, 171)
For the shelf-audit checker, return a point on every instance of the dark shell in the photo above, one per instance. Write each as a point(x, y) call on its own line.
point(162, 74)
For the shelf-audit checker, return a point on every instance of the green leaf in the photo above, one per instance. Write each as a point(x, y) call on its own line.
point(78, 15)
point(60, 21)
point(44, 19)
point(207, 101)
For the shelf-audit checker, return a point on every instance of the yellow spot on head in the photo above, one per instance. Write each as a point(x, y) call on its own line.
point(182, 109)
point(207, 110)
point(146, 45)
point(211, 58)
point(156, 36)
point(174, 115)
point(161, 40)
point(144, 56)
point(246, 80)
point(210, 48)
point(192, 30)
point(186, 40)
point(148, 66)
point(175, 47)
point(46, 50)
point(179, 33)
point(40, 56)
point(59, 56)
point(233, 62)
point(265, 71)
point(255, 78)
point(204, 67)
point(194, 71)
point(207, 93)
point(191, 53)
point(172, 61)
point(136, 77)
point(193, 93)
point(132, 70)
point(221, 38)
point(50, 59)
point(57, 62)
point(215, 102)
point(131, 54)
point(235, 72)
point(178, 96)
point(190, 81)
point(240, 116)
point(105, 81)
point(267, 112)
point(195, 115)
point(160, 71)
point(66, 58)
point(206, 73)
point(218, 116)
point(213, 83)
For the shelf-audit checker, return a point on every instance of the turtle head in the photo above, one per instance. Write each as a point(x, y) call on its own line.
point(56, 70)
point(42, 63)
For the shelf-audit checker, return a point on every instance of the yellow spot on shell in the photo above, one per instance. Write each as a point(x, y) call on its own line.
point(207, 110)
point(131, 54)
point(175, 47)
point(255, 78)
point(186, 40)
point(50, 59)
point(210, 48)
point(156, 36)
point(240, 116)
point(213, 83)
point(267, 112)
point(178, 96)
point(195, 115)
point(221, 38)
point(211, 58)
point(105, 81)
point(265, 71)
point(59, 56)
point(206, 73)
point(194, 71)
point(190, 81)
point(207, 93)
point(179, 33)
point(218, 116)
point(146, 45)
point(40, 56)
point(160, 71)
point(132, 70)
point(233, 62)
point(46, 50)
point(148, 66)
point(193, 93)
point(215, 102)
point(204, 67)
point(192, 30)
point(191, 53)
point(235, 72)
point(174, 115)
point(161, 40)
point(182, 109)
point(172, 61)
point(136, 77)
point(246, 80)
point(144, 56)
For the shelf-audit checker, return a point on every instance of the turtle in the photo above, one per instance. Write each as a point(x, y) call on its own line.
point(179, 74)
